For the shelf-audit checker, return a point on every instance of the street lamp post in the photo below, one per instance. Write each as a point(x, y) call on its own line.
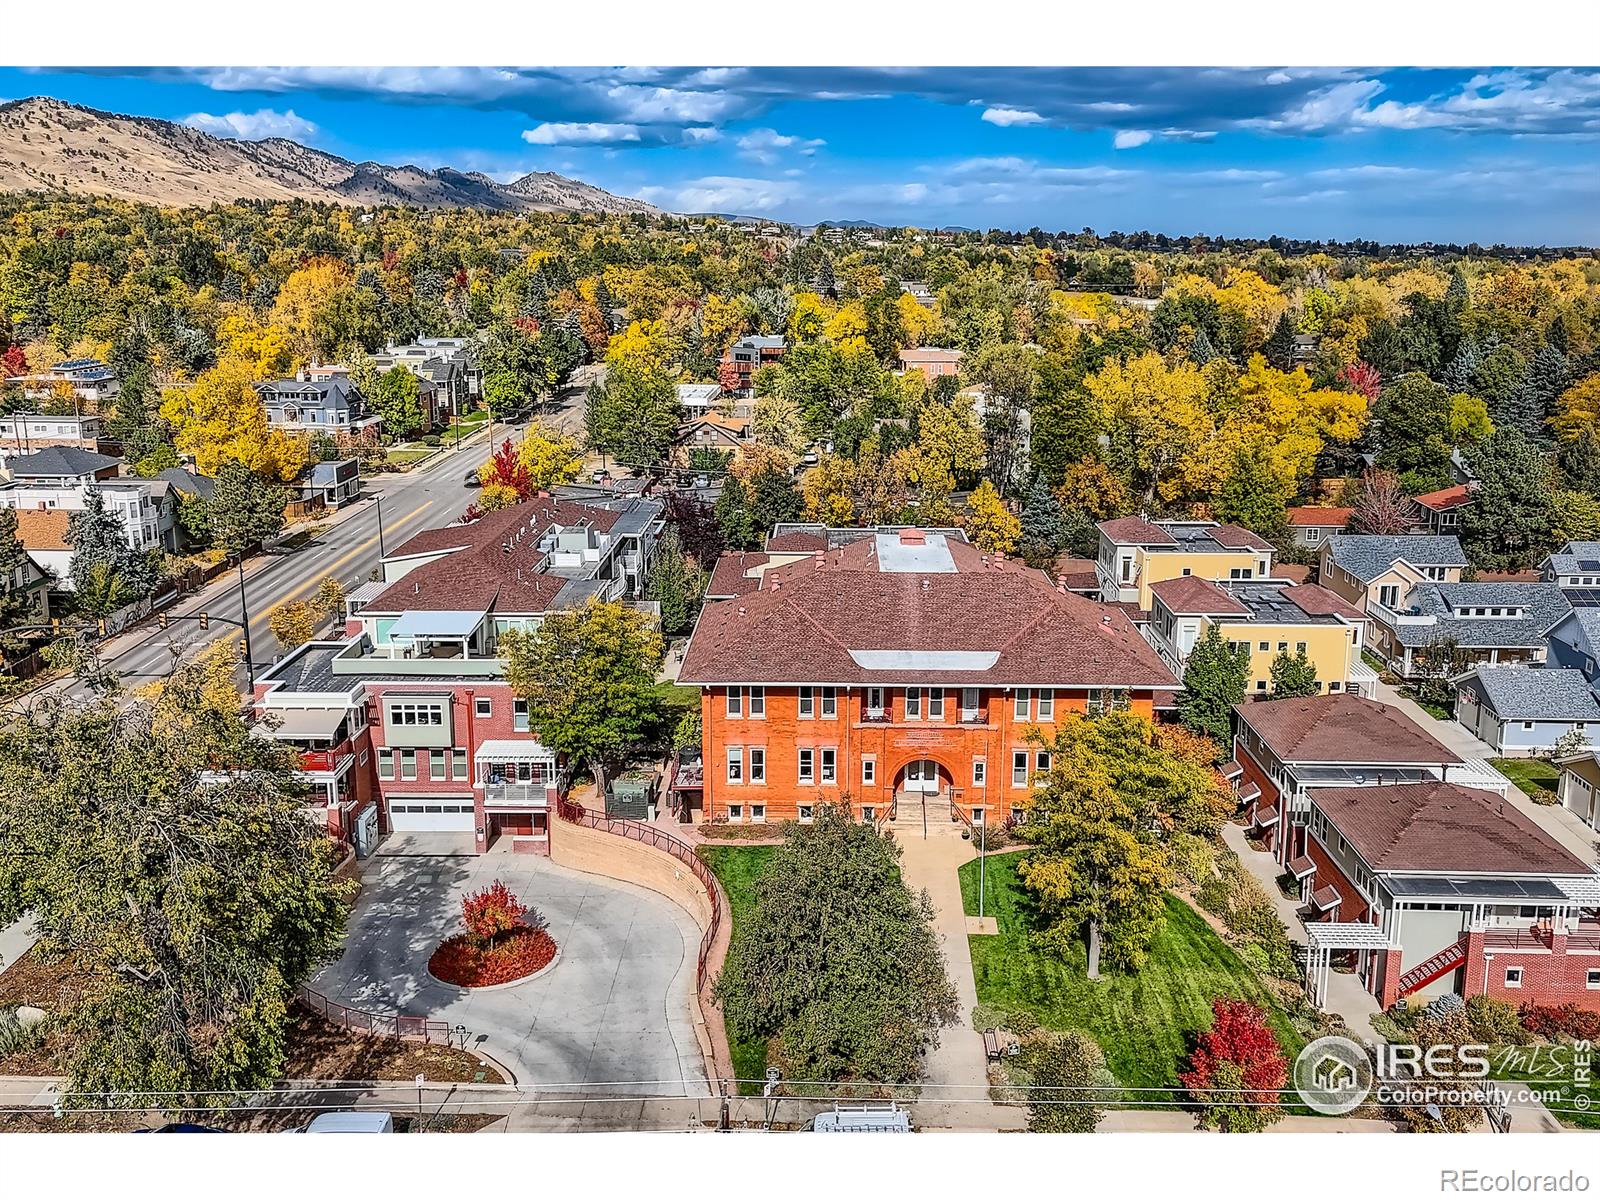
point(244, 610)
point(381, 553)
point(983, 862)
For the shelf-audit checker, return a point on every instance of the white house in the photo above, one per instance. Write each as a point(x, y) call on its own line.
point(1525, 710)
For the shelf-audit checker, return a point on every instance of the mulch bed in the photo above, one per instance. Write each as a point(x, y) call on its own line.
point(511, 956)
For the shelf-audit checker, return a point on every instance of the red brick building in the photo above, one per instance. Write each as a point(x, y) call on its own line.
point(407, 724)
point(744, 358)
point(903, 663)
point(1430, 886)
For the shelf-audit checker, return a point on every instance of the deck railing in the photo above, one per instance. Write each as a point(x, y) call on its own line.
point(377, 1024)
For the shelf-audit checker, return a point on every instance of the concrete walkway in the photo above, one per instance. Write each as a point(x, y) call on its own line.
point(931, 856)
point(1555, 819)
point(16, 940)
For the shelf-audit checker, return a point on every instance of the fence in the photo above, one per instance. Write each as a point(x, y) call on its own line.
point(679, 849)
point(392, 1025)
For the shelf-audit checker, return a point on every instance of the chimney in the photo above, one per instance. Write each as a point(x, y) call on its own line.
point(912, 537)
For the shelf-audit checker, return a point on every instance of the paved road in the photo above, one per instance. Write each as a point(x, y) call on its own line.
point(612, 1015)
point(431, 495)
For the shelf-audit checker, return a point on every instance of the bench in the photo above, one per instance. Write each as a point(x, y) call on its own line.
point(991, 1045)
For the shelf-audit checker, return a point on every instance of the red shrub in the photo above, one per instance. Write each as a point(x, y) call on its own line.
point(1361, 378)
point(491, 912)
point(464, 962)
point(1239, 1034)
point(1560, 1020)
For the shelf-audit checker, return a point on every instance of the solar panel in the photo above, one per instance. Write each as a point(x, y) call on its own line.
point(1582, 597)
point(1475, 889)
point(1589, 564)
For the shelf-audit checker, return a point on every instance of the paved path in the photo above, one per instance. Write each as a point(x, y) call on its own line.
point(16, 940)
point(614, 1013)
point(1555, 819)
point(930, 863)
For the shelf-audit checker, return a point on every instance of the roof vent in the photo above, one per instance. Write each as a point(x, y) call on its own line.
point(741, 610)
point(912, 537)
point(924, 583)
point(416, 588)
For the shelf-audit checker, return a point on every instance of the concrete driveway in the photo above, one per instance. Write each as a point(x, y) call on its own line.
point(611, 1018)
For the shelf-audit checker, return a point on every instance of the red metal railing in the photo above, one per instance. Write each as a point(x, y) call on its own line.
point(393, 1025)
point(649, 835)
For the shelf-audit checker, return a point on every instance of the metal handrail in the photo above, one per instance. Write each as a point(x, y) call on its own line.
point(379, 1024)
point(571, 810)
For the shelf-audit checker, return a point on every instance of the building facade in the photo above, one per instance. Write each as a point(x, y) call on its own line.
point(744, 358)
point(901, 667)
point(1135, 554)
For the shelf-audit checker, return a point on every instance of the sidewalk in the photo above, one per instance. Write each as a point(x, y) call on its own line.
point(16, 940)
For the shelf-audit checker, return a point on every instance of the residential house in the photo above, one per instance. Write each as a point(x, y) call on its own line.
point(328, 484)
point(1267, 618)
point(1487, 623)
point(1439, 513)
point(1439, 889)
point(448, 366)
point(1378, 569)
point(1313, 524)
point(901, 667)
point(1575, 569)
point(61, 467)
point(697, 399)
point(1573, 642)
point(1579, 785)
point(22, 433)
point(747, 356)
point(89, 381)
point(407, 723)
point(305, 405)
point(920, 292)
point(42, 534)
point(1525, 711)
point(931, 361)
point(1135, 553)
point(710, 431)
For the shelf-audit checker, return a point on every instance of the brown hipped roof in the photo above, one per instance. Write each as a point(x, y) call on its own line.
point(1310, 516)
point(1341, 729)
point(43, 529)
point(1136, 531)
point(1188, 594)
point(1237, 537)
point(1442, 827)
point(1317, 601)
point(807, 617)
point(728, 577)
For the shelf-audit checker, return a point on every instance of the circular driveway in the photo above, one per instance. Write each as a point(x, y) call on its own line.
point(616, 1009)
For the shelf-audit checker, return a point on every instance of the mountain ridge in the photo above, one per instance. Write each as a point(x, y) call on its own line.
point(47, 143)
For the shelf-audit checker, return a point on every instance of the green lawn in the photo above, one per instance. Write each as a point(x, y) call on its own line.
point(1532, 775)
point(402, 456)
point(1547, 1069)
point(1144, 1023)
point(737, 867)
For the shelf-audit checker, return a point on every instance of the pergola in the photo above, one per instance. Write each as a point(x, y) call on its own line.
point(1325, 937)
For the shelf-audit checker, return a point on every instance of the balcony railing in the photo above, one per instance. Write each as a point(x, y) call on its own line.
point(880, 716)
point(974, 716)
point(520, 793)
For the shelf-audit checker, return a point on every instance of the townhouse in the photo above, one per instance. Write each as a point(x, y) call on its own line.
point(1410, 862)
point(447, 368)
point(1575, 569)
point(406, 723)
point(1267, 618)
point(902, 666)
point(1135, 553)
point(1439, 513)
point(21, 433)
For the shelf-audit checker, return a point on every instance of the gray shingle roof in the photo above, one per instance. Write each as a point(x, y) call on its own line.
point(1368, 555)
point(1543, 606)
point(1566, 560)
point(60, 460)
point(1535, 694)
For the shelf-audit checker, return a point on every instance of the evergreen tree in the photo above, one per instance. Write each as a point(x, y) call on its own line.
point(1457, 295)
point(1556, 336)
point(1279, 347)
point(1462, 373)
point(107, 573)
point(1213, 682)
point(1201, 351)
point(1508, 527)
point(1533, 400)
point(1579, 461)
point(674, 583)
point(1252, 496)
point(244, 509)
point(827, 285)
point(1041, 525)
point(1294, 676)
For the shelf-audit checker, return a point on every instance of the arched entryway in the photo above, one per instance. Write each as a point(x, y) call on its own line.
point(922, 777)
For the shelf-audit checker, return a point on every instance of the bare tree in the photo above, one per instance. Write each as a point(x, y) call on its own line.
point(1380, 506)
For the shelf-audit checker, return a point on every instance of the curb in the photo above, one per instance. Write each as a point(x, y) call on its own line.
point(498, 987)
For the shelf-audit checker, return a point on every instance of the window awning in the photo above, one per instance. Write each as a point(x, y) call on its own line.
point(514, 750)
point(440, 623)
point(295, 724)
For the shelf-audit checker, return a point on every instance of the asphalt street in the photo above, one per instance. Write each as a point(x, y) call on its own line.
point(348, 548)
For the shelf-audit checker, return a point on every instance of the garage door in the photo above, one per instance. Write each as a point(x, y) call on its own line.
point(413, 815)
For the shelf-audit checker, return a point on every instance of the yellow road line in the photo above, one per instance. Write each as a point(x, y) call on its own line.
point(338, 563)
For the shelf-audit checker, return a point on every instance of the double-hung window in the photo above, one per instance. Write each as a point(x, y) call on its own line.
point(913, 704)
point(1047, 704)
point(808, 702)
point(436, 766)
point(735, 764)
point(980, 772)
point(935, 704)
point(807, 758)
point(830, 764)
point(385, 764)
point(519, 716)
point(830, 702)
point(408, 764)
point(1021, 704)
point(735, 702)
point(1019, 768)
point(758, 703)
point(758, 764)
point(869, 771)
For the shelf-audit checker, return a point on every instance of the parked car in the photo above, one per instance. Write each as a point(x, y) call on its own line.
point(601, 476)
point(181, 1127)
point(864, 1118)
point(350, 1122)
point(472, 479)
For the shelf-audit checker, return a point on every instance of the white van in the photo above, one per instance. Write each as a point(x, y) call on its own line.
point(864, 1118)
point(350, 1122)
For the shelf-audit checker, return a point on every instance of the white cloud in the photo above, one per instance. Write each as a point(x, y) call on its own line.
point(1127, 139)
point(721, 193)
point(768, 145)
point(1005, 117)
point(580, 133)
point(913, 192)
point(253, 127)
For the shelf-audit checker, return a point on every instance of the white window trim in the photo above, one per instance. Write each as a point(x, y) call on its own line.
point(1022, 705)
point(733, 757)
point(1047, 704)
point(1016, 755)
point(806, 705)
point(803, 756)
point(869, 771)
point(980, 771)
point(753, 770)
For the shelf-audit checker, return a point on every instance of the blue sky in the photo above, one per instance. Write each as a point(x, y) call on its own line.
point(1480, 154)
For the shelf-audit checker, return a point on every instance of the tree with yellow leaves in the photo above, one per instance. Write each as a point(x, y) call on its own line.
point(949, 433)
point(1578, 409)
point(776, 421)
point(993, 526)
point(918, 324)
point(1155, 416)
point(305, 304)
point(808, 319)
point(214, 669)
point(264, 350)
point(647, 345)
point(220, 416)
point(847, 328)
point(828, 491)
point(293, 623)
point(551, 457)
point(722, 321)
